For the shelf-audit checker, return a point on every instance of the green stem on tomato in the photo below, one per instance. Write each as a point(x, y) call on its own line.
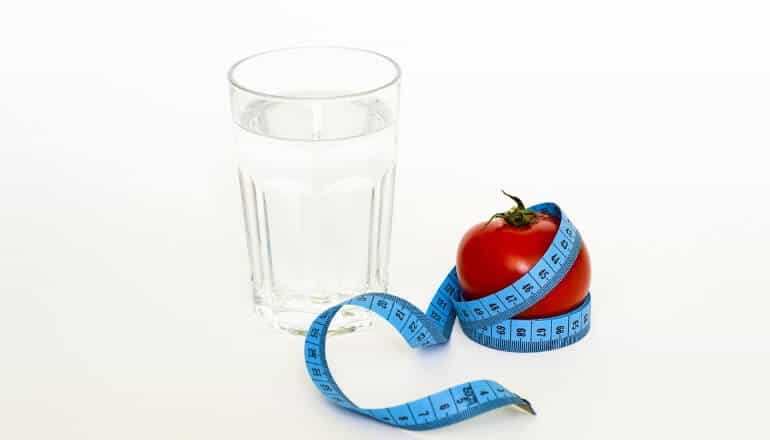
point(518, 216)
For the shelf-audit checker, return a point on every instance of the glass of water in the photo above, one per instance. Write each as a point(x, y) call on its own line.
point(316, 133)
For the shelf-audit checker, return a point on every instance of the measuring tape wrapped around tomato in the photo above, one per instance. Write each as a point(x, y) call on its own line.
point(520, 285)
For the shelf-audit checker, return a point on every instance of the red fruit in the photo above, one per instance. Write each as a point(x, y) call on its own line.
point(493, 255)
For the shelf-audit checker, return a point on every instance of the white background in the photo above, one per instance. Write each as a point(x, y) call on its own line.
point(124, 299)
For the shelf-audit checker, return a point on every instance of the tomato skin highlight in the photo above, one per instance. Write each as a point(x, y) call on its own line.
point(493, 255)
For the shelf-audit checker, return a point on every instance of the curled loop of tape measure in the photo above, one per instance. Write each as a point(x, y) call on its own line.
point(487, 321)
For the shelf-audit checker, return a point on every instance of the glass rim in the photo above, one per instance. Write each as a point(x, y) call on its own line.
point(395, 79)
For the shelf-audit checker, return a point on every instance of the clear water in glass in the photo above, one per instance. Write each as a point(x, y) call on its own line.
point(317, 183)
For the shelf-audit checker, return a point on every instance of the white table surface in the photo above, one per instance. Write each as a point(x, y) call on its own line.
point(144, 329)
point(124, 301)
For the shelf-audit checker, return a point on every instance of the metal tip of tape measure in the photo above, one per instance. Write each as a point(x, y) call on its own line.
point(526, 407)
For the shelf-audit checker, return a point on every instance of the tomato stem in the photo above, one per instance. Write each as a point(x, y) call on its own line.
point(518, 216)
point(519, 203)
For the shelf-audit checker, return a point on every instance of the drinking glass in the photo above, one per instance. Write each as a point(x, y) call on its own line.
point(316, 134)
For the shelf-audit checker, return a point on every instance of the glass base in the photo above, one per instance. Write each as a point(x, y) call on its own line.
point(297, 322)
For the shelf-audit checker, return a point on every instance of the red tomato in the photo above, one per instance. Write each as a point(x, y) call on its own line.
point(493, 255)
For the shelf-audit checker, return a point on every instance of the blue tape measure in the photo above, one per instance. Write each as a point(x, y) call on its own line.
point(487, 321)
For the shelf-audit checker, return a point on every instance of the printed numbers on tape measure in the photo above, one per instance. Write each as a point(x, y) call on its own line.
point(402, 415)
point(487, 321)
point(559, 327)
point(543, 273)
point(362, 300)
point(413, 325)
point(399, 316)
point(422, 410)
point(526, 286)
point(443, 404)
point(512, 298)
point(541, 331)
point(491, 303)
